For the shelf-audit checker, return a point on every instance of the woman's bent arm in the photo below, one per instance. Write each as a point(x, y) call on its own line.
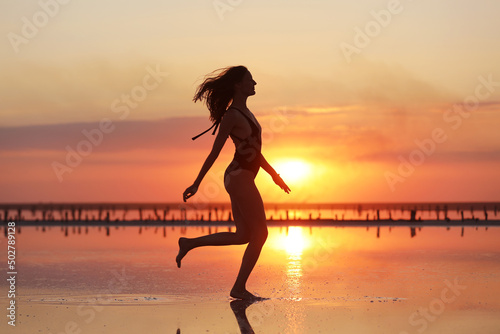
point(276, 177)
point(209, 161)
point(267, 167)
point(226, 126)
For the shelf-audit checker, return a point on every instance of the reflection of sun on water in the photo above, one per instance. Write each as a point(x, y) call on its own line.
point(294, 244)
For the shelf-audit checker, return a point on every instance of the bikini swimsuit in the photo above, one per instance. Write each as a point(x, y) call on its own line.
point(248, 150)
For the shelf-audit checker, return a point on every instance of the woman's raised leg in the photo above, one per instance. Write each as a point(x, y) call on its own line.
point(241, 236)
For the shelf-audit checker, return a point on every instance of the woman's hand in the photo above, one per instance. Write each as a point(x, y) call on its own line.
point(189, 192)
point(279, 181)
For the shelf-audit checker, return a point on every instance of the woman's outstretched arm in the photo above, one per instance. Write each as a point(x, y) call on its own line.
point(276, 177)
point(225, 128)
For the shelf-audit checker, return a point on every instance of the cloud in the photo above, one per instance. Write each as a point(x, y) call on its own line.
point(125, 136)
point(437, 157)
point(380, 83)
point(82, 91)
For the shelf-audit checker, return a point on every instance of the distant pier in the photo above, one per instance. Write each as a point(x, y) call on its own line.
point(338, 214)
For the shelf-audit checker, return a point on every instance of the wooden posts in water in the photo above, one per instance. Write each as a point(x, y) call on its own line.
point(157, 214)
point(142, 212)
point(413, 214)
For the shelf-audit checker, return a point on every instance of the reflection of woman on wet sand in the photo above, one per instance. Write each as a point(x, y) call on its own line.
point(239, 307)
point(225, 95)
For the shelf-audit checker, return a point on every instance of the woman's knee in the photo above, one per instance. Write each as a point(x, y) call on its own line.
point(260, 235)
point(242, 237)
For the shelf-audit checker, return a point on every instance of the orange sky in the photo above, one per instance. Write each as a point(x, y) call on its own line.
point(114, 83)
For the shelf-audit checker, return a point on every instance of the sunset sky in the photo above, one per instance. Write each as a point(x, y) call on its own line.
point(379, 101)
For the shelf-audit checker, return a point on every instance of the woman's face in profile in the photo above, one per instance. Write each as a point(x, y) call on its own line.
point(247, 85)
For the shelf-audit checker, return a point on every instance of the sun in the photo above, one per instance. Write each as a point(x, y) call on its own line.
point(293, 171)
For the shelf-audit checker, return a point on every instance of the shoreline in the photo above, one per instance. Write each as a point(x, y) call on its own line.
point(283, 223)
point(277, 214)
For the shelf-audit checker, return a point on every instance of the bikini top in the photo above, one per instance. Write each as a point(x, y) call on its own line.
point(255, 129)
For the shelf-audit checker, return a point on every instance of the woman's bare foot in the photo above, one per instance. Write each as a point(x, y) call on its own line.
point(245, 295)
point(183, 250)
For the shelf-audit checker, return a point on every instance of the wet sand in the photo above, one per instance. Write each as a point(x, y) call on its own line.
point(319, 280)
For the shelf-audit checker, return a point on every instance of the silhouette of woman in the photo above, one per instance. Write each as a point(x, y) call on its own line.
point(225, 93)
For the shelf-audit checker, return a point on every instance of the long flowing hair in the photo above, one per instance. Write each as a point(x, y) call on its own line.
point(217, 90)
